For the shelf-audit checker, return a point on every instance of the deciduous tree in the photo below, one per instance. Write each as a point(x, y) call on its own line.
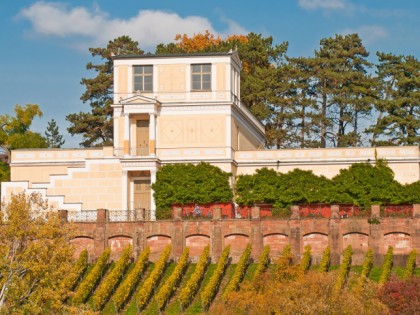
point(35, 256)
point(15, 130)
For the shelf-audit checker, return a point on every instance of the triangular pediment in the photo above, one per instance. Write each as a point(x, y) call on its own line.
point(139, 99)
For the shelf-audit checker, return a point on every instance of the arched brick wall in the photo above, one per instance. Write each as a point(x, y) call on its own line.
point(157, 244)
point(318, 243)
point(400, 241)
point(196, 243)
point(359, 243)
point(117, 245)
point(237, 244)
point(80, 243)
point(277, 243)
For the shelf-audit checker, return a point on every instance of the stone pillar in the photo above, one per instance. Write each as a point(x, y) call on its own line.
point(139, 242)
point(255, 213)
point(62, 215)
point(152, 134)
point(416, 210)
point(295, 235)
point(177, 213)
point(375, 236)
point(256, 237)
point(100, 241)
point(415, 230)
point(216, 234)
point(124, 190)
point(334, 235)
point(126, 134)
point(178, 239)
point(217, 213)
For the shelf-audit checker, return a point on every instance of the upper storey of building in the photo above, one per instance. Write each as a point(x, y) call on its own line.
point(213, 77)
point(183, 101)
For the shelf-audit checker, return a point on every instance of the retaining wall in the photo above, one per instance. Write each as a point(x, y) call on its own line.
point(403, 233)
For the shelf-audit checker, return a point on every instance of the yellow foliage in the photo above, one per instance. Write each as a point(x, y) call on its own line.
point(35, 257)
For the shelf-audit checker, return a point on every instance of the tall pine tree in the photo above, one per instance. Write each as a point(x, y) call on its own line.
point(398, 104)
point(52, 134)
point(96, 126)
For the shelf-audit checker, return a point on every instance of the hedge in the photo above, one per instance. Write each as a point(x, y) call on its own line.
point(387, 266)
point(151, 282)
point(263, 261)
point(213, 285)
point(239, 273)
point(128, 285)
point(89, 283)
point(187, 293)
point(106, 287)
point(78, 269)
point(171, 283)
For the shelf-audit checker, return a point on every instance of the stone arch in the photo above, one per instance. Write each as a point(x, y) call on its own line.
point(317, 241)
point(359, 243)
point(83, 242)
point(157, 244)
point(277, 242)
point(400, 241)
point(117, 243)
point(237, 244)
point(196, 243)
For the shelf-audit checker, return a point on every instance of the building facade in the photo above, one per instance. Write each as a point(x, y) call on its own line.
point(175, 109)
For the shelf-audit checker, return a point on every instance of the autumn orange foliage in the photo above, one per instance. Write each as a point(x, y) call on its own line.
point(205, 42)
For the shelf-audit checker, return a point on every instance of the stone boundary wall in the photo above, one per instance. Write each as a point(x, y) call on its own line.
point(403, 233)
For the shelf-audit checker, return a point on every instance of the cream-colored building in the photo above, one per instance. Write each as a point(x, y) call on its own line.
point(175, 109)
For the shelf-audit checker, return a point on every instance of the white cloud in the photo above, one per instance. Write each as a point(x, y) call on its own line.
point(95, 27)
point(323, 4)
point(368, 33)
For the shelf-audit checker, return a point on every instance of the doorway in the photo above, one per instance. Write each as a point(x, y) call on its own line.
point(142, 138)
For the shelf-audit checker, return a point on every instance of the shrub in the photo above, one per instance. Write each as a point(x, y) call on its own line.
point(104, 291)
point(189, 183)
point(187, 293)
point(239, 273)
point(88, 284)
point(129, 283)
point(401, 296)
point(263, 262)
point(387, 266)
point(325, 262)
point(344, 269)
point(367, 267)
point(213, 285)
point(305, 263)
point(152, 281)
point(411, 265)
point(79, 268)
point(170, 285)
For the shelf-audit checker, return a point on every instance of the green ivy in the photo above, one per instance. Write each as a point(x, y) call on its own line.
point(361, 184)
point(189, 183)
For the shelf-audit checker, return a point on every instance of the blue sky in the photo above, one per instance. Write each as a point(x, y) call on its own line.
point(44, 44)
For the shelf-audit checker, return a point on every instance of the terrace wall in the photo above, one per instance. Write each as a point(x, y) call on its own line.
point(401, 232)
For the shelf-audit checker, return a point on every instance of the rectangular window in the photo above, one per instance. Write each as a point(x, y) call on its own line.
point(201, 77)
point(143, 78)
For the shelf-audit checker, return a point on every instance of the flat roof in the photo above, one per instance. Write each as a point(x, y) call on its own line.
point(209, 54)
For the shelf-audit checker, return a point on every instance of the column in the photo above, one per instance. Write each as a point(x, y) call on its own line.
point(152, 135)
point(126, 134)
point(334, 235)
point(152, 200)
point(124, 199)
